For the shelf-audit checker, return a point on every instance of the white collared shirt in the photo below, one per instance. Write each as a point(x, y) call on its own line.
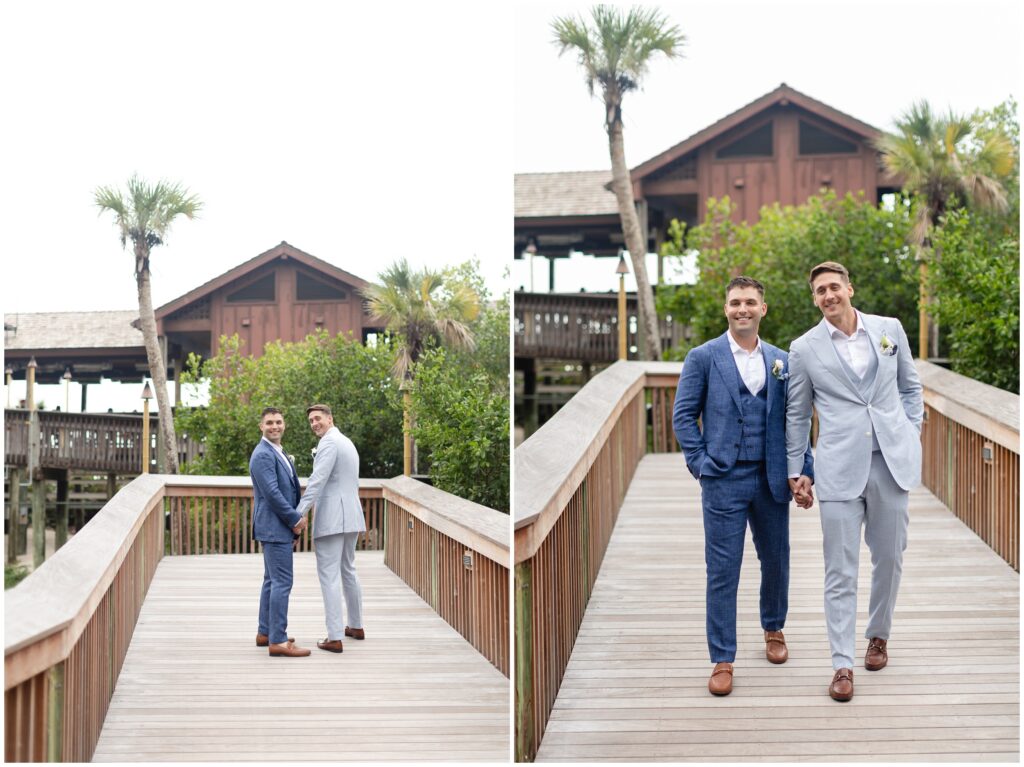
point(749, 364)
point(854, 349)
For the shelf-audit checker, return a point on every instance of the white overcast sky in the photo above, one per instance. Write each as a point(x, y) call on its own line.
point(870, 59)
point(358, 132)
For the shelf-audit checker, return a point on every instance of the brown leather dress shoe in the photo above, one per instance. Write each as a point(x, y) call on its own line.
point(775, 649)
point(876, 657)
point(331, 645)
point(262, 640)
point(720, 682)
point(842, 685)
point(288, 650)
point(355, 633)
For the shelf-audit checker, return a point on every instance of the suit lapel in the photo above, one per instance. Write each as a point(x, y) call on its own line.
point(875, 340)
point(723, 360)
point(826, 352)
point(769, 355)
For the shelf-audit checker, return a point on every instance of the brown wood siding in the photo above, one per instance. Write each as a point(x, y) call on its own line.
point(285, 319)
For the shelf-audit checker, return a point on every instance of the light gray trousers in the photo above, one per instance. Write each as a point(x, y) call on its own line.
point(336, 567)
point(882, 508)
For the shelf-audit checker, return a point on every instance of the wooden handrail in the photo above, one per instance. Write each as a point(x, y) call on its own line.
point(991, 412)
point(430, 541)
point(551, 464)
point(483, 529)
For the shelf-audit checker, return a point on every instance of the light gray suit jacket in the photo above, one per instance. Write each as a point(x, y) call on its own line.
point(334, 487)
point(891, 407)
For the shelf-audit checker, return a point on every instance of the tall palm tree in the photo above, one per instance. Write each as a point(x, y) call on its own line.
point(942, 159)
point(414, 308)
point(614, 49)
point(143, 214)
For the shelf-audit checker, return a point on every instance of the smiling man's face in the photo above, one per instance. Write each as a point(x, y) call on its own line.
point(832, 294)
point(744, 308)
point(320, 422)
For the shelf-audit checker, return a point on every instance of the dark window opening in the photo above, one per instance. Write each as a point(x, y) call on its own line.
point(814, 140)
point(308, 289)
point(757, 143)
point(260, 290)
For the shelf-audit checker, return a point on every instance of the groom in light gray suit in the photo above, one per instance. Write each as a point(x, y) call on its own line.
point(857, 372)
point(333, 489)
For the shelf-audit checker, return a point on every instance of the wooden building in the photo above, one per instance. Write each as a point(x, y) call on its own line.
point(282, 294)
point(783, 147)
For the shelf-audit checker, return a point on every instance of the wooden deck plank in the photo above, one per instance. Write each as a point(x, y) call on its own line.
point(194, 686)
point(635, 688)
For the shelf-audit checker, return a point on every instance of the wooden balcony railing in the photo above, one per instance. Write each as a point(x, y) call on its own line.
point(571, 477)
point(99, 442)
point(67, 626)
point(579, 326)
point(455, 554)
point(216, 518)
point(971, 439)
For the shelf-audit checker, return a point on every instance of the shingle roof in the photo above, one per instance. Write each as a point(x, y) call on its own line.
point(574, 193)
point(72, 330)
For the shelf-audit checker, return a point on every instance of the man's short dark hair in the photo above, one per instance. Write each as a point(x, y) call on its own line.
point(268, 410)
point(829, 266)
point(325, 409)
point(744, 282)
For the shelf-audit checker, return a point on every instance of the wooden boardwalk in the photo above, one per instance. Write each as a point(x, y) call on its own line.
point(195, 687)
point(635, 687)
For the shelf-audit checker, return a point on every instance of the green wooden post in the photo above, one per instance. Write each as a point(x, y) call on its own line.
point(61, 536)
point(526, 737)
point(14, 516)
point(55, 714)
point(38, 521)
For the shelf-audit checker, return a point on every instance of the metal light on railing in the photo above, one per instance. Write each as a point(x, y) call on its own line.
point(147, 395)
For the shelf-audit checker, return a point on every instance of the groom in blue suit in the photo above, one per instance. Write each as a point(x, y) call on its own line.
point(275, 524)
point(736, 386)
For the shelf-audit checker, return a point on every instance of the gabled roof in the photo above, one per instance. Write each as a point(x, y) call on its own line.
point(576, 193)
point(72, 330)
point(284, 250)
point(781, 96)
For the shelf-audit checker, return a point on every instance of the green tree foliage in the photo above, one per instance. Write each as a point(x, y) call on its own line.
point(978, 285)
point(353, 379)
point(780, 249)
point(460, 402)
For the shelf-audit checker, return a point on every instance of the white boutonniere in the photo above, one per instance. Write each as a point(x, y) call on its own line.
point(291, 459)
point(886, 347)
point(777, 368)
point(313, 453)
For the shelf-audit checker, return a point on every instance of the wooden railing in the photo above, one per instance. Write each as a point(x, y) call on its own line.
point(971, 439)
point(68, 625)
point(216, 518)
point(99, 442)
point(579, 326)
point(571, 477)
point(455, 554)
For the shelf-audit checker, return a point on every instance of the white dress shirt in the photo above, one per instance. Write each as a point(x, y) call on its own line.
point(749, 364)
point(853, 349)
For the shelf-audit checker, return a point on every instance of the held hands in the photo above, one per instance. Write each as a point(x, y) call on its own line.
point(802, 492)
point(304, 523)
